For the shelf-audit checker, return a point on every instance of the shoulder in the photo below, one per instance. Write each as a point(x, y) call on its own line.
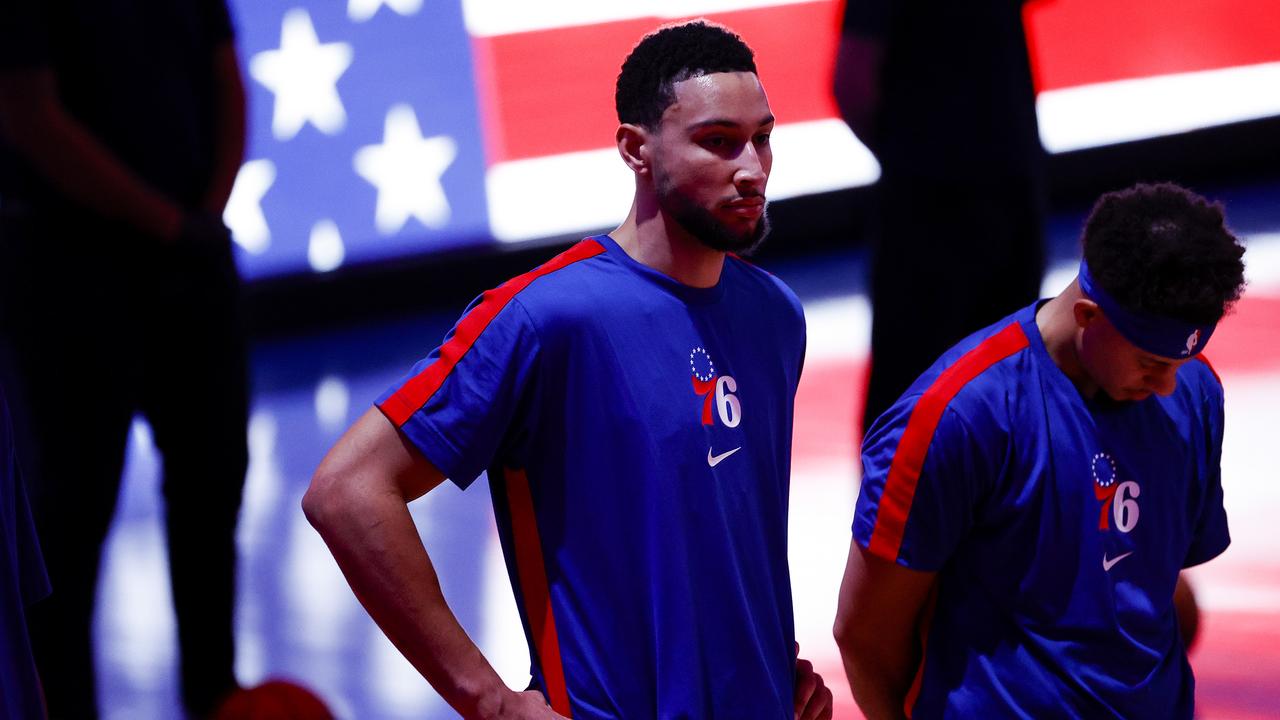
point(512, 312)
point(978, 371)
point(572, 278)
point(762, 283)
point(1201, 373)
point(574, 265)
point(1199, 388)
point(965, 397)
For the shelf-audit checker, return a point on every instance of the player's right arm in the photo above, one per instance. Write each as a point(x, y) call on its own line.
point(927, 462)
point(878, 630)
point(358, 502)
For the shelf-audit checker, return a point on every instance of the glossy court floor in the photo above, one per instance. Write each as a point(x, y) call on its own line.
point(298, 619)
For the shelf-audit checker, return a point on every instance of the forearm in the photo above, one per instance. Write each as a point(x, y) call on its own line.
point(375, 543)
point(879, 691)
point(877, 630)
point(83, 169)
point(69, 157)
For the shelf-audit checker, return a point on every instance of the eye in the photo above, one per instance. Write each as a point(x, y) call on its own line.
point(762, 139)
point(715, 141)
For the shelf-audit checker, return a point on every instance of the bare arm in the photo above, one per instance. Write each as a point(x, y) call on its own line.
point(36, 124)
point(229, 127)
point(357, 501)
point(877, 629)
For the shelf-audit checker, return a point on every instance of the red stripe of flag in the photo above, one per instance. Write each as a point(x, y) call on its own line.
point(532, 572)
point(908, 458)
point(1091, 41)
point(417, 390)
point(547, 92)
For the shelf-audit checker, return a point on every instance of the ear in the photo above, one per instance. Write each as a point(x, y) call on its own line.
point(1085, 312)
point(634, 145)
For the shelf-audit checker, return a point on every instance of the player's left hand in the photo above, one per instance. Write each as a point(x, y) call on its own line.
point(813, 698)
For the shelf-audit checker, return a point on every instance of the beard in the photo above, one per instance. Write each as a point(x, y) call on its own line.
point(705, 228)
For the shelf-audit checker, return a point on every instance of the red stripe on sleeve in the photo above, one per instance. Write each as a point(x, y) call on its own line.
point(533, 586)
point(908, 458)
point(417, 390)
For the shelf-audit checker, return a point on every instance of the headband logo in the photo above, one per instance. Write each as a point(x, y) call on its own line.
point(1192, 340)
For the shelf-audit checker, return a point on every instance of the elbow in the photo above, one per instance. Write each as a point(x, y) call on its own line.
point(323, 500)
point(843, 631)
point(853, 637)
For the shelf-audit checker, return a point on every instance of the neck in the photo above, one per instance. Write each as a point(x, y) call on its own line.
point(1057, 324)
point(652, 238)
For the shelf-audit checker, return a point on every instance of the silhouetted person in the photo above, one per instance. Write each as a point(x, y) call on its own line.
point(941, 92)
point(122, 128)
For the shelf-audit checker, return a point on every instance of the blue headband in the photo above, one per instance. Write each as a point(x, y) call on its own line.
point(1155, 334)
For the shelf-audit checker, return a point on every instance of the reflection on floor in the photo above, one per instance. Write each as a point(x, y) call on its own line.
point(298, 619)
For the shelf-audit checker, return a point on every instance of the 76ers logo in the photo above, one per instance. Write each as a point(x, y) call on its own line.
point(705, 381)
point(1119, 499)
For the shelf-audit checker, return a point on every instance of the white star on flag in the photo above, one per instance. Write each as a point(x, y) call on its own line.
point(406, 169)
point(325, 251)
point(243, 213)
point(361, 10)
point(303, 74)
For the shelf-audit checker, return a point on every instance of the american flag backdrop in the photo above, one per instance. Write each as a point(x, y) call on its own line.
point(385, 128)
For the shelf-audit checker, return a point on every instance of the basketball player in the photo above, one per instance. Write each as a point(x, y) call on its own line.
point(632, 402)
point(1027, 505)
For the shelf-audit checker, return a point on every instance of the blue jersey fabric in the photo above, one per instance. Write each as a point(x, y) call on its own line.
point(1058, 526)
point(653, 423)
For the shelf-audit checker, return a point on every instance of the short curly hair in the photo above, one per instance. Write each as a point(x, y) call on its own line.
point(1162, 249)
point(646, 83)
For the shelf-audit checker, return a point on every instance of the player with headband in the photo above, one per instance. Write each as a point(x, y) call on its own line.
point(1026, 507)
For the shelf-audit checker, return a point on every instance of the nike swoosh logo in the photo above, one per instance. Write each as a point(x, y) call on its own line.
point(1108, 564)
point(714, 460)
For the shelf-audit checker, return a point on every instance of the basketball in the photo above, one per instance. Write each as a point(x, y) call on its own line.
point(274, 700)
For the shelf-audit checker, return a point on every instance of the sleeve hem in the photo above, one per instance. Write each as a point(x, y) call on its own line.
point(1204, 556)
point(899, 560)
point(434, 447)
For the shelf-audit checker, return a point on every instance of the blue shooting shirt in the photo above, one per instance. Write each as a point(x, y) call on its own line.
point(1057, 525)
point(637, 436)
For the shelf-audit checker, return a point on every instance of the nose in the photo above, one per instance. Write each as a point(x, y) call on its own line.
point(751, 173)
